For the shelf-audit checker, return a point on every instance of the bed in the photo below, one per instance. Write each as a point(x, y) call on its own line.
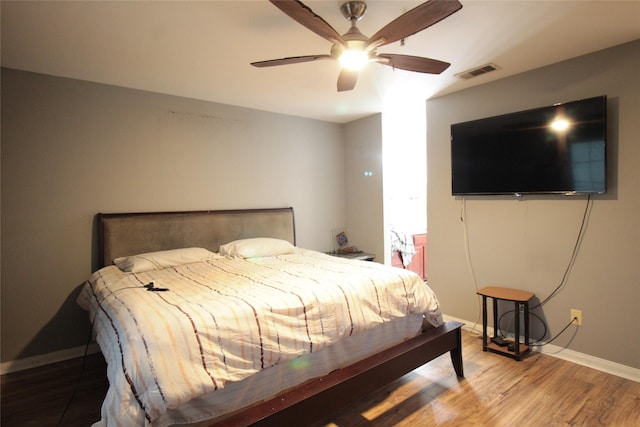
point(178, 354)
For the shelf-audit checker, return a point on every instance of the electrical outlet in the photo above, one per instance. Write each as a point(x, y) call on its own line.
point(576, 316)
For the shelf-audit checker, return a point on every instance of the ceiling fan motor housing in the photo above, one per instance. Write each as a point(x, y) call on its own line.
point(353, 10)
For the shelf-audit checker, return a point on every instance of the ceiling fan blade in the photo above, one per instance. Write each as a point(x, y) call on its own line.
point(305, 16)
point(347, 80)
point(415, 20)
point(290, 60)
point(413, 63)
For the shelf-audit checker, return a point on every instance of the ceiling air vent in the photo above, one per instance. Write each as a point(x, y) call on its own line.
point(474, 72)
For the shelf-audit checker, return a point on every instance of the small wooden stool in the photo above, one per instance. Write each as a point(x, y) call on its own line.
point(520, 298)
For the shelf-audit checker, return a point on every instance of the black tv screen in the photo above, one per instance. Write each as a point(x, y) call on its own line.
point(557, 149)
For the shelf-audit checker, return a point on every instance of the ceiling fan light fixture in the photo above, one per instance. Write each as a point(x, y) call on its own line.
point(354, 60)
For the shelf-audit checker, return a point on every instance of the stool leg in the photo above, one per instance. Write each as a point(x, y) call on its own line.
point(484, 323)
point(516, 341)
point(495, 317)
point(526, 323)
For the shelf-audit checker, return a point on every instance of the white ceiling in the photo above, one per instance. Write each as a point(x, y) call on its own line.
point(202, 49)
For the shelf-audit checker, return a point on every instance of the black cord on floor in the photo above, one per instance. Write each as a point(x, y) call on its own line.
point(77, 384)
point(539, 341)
point(149, 287)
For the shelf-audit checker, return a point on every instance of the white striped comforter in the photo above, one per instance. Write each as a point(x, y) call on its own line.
point(225, 319)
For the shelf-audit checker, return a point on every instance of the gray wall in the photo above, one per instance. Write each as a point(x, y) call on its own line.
point(365, 216)
point(527, 244)
point(71, 149)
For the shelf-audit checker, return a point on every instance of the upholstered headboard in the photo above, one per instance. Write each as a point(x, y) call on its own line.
point(122, 234)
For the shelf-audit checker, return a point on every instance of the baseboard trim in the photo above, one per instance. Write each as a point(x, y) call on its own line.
point(46, 359)
point(569, 355)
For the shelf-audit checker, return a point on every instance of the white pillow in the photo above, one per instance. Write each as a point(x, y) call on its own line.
point(256, 247)
point(161, 259)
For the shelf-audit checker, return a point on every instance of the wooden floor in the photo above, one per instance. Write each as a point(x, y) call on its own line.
point(496, 391)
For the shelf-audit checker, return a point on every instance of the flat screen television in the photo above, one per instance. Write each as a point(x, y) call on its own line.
point(559, 149)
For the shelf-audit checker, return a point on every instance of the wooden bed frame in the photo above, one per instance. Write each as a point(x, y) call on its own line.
point(122, 234)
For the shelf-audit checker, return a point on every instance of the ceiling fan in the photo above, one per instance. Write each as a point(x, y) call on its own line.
point(354, 50)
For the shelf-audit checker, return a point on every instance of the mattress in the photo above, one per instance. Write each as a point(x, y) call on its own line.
point(232, 331)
